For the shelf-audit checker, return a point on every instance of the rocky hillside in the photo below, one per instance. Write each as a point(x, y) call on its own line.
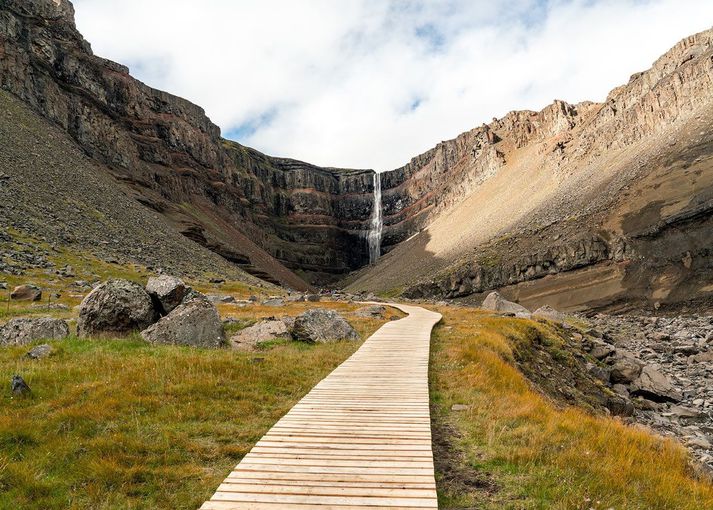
point(51, 194)
point(575, 206)
point(264, 214)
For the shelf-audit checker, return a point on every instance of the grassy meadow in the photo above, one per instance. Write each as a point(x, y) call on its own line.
point(121, 424)
point(513, 448)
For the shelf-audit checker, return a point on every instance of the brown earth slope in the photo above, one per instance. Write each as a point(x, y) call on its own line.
point(577, 205)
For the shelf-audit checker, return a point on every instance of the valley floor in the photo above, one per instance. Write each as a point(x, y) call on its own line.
point(117, 423)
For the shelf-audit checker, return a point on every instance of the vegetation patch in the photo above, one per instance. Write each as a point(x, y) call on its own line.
point(536, 452)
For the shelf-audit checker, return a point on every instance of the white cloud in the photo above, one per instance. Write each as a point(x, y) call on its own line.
point(372, 83)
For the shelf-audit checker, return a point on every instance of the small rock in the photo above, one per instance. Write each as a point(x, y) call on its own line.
point(27, 292)
point(602, 350)
point(40, 351)
point(620, 406)
point(312, 298)
point(655, 386)
point(371, 311)
point(495, 302)
point(700, 442)
point(263, 331)
point(684, 412)
point(620, 389)
point(459, 407)
point(625, 369)
point(274, 302)
point(19, 387)
point(549, 313)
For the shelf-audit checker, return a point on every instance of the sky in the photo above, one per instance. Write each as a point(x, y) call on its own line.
point(373, 83)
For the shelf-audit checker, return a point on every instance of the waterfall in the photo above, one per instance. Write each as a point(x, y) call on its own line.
point(377, 223)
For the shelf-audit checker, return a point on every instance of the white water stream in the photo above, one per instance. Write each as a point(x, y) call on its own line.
point(373, 237)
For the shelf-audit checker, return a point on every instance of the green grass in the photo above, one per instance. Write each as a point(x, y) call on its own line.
point(122, 424)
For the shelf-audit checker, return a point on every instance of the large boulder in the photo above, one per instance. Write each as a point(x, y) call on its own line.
point(320, 325)
point(195, 322)
point(167, 292)
point(263, 331)
point(495, 302)
point(625, 368)
point(25, 331)
point(653, 385)
point(115, 306)
point(26, 293)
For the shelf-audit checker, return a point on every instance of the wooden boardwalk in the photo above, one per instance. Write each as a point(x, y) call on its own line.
point(360, 439)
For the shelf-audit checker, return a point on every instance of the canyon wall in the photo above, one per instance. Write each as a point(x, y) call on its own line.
point(445, 213)
point(266, 213)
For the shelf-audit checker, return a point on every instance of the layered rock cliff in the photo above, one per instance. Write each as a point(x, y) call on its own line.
point(618, 187)
point(267, 214)
point(618, 190)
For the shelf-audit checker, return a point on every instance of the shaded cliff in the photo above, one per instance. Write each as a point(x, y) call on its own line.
point(269, 215)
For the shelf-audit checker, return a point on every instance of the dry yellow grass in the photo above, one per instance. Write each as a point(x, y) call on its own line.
point(537, 455)
point(120, 424)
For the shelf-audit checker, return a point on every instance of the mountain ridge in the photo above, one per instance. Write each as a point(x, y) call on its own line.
point(297, 224)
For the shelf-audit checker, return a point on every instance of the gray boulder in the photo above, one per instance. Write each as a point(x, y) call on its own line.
point(115, 306)
point(167, 292)
point(550, 313)
point(320, 325)
point(653, 385)
point(25, 331)
point(195, 322)
point(625, 369)
point(26, 293)
point(263, 331)
point(495, 302)
point(371, 311)
point(40, 351)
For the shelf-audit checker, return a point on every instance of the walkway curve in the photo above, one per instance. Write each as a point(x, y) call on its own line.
point(360, 439)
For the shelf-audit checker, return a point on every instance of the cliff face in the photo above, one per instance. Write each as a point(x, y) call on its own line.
point(531, 202)
point(267, 214)
point(526, 197)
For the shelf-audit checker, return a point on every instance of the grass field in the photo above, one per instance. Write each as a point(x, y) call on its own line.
point(512, 448)
point(120, 424)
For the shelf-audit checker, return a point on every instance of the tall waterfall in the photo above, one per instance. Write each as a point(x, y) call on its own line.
point(377, 223)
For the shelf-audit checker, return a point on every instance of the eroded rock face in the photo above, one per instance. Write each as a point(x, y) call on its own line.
point(115, 307)
point(167, 292)
point(320, 325)
point(25, 331)
point(195, 323)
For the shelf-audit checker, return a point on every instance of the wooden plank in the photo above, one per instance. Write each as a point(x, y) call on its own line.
point(360, 439)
